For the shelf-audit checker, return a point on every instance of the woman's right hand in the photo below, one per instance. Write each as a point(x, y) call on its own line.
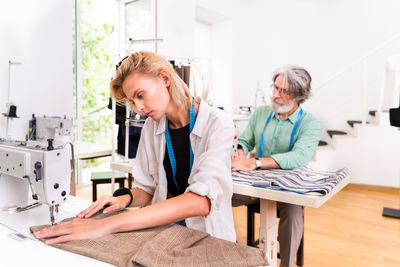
point(112, 203)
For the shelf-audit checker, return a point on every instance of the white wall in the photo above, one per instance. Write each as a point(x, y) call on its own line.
point(38, 34)
point(218, 14)
point(222, 55)
point(176, 26)
point(250, 39)
point(324, 36)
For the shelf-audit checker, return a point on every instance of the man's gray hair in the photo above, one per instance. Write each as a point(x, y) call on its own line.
point(297, 81)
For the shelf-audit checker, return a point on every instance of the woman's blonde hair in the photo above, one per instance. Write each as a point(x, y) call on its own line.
point(150, 64)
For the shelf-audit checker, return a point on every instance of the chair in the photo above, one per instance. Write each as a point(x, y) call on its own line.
point(255, 208)
point(105, 178)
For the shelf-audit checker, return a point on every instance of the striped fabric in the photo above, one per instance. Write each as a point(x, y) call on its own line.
point(301, 180)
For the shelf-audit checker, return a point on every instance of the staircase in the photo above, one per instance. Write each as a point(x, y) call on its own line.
point(329, 135)
point(371, 151)
point(369, 147)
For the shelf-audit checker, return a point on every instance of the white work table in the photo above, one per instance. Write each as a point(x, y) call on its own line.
point(86, 150)
point(30, 252)
point(268, 199)
point(122, 165)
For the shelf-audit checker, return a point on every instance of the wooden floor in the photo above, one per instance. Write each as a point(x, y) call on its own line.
point(348, 230)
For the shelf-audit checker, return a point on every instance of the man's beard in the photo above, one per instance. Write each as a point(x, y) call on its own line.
point(280, 107)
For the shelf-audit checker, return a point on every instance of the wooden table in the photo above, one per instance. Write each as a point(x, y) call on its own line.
point(268, 199)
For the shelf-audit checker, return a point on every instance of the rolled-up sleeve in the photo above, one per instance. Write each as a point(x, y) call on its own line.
point(304, 146)
point(211, 173)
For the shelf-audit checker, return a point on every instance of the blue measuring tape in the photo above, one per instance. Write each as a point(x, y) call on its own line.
point(171, 154)
point(170, 149)
point(291, 138)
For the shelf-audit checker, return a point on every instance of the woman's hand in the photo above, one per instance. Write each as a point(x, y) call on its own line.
point(113, 203)
point(243, 164)
point(74, 229)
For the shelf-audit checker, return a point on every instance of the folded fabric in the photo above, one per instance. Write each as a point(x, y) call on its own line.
point(170, 245)
point(301, 180)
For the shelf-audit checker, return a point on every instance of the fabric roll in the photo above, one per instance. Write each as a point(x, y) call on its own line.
point(170, 245)
point(302, 180)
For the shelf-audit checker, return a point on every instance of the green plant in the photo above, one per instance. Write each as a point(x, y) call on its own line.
point(97, 48)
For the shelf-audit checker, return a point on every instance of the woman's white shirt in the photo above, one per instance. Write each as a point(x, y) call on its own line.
point(211, 141)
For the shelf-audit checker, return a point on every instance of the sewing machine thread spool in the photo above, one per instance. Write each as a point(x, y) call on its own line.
point(12, 113)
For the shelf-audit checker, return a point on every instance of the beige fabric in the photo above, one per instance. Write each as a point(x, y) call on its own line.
point(171, 245)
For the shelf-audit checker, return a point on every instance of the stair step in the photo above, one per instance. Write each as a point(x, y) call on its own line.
point(322, 143)
point(333, 132)
point(372, 112)
point(351, 123)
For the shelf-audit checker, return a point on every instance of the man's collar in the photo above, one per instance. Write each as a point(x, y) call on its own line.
point(292, 118)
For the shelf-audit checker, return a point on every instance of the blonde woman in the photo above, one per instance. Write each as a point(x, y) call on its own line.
point(182, 167)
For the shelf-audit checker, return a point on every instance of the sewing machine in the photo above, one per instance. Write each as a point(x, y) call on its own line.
point(33, 173)
point(33, 181)
point(57, 128)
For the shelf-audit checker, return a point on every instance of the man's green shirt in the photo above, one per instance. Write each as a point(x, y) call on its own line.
point(277, 137)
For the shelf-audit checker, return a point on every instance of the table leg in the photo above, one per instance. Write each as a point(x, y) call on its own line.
point(130, 180)
point(94, 191)
point(268, 230)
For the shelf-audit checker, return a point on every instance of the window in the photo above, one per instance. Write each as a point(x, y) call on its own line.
point(94, 41)
point(98, 46)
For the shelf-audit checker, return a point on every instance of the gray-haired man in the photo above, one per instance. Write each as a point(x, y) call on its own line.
point(285, 137)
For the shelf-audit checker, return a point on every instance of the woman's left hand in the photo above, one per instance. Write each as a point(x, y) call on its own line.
point(74, 229)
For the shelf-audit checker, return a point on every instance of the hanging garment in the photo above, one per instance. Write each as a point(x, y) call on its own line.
point(134, 132)
point(183, 73)
point(200, 83)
